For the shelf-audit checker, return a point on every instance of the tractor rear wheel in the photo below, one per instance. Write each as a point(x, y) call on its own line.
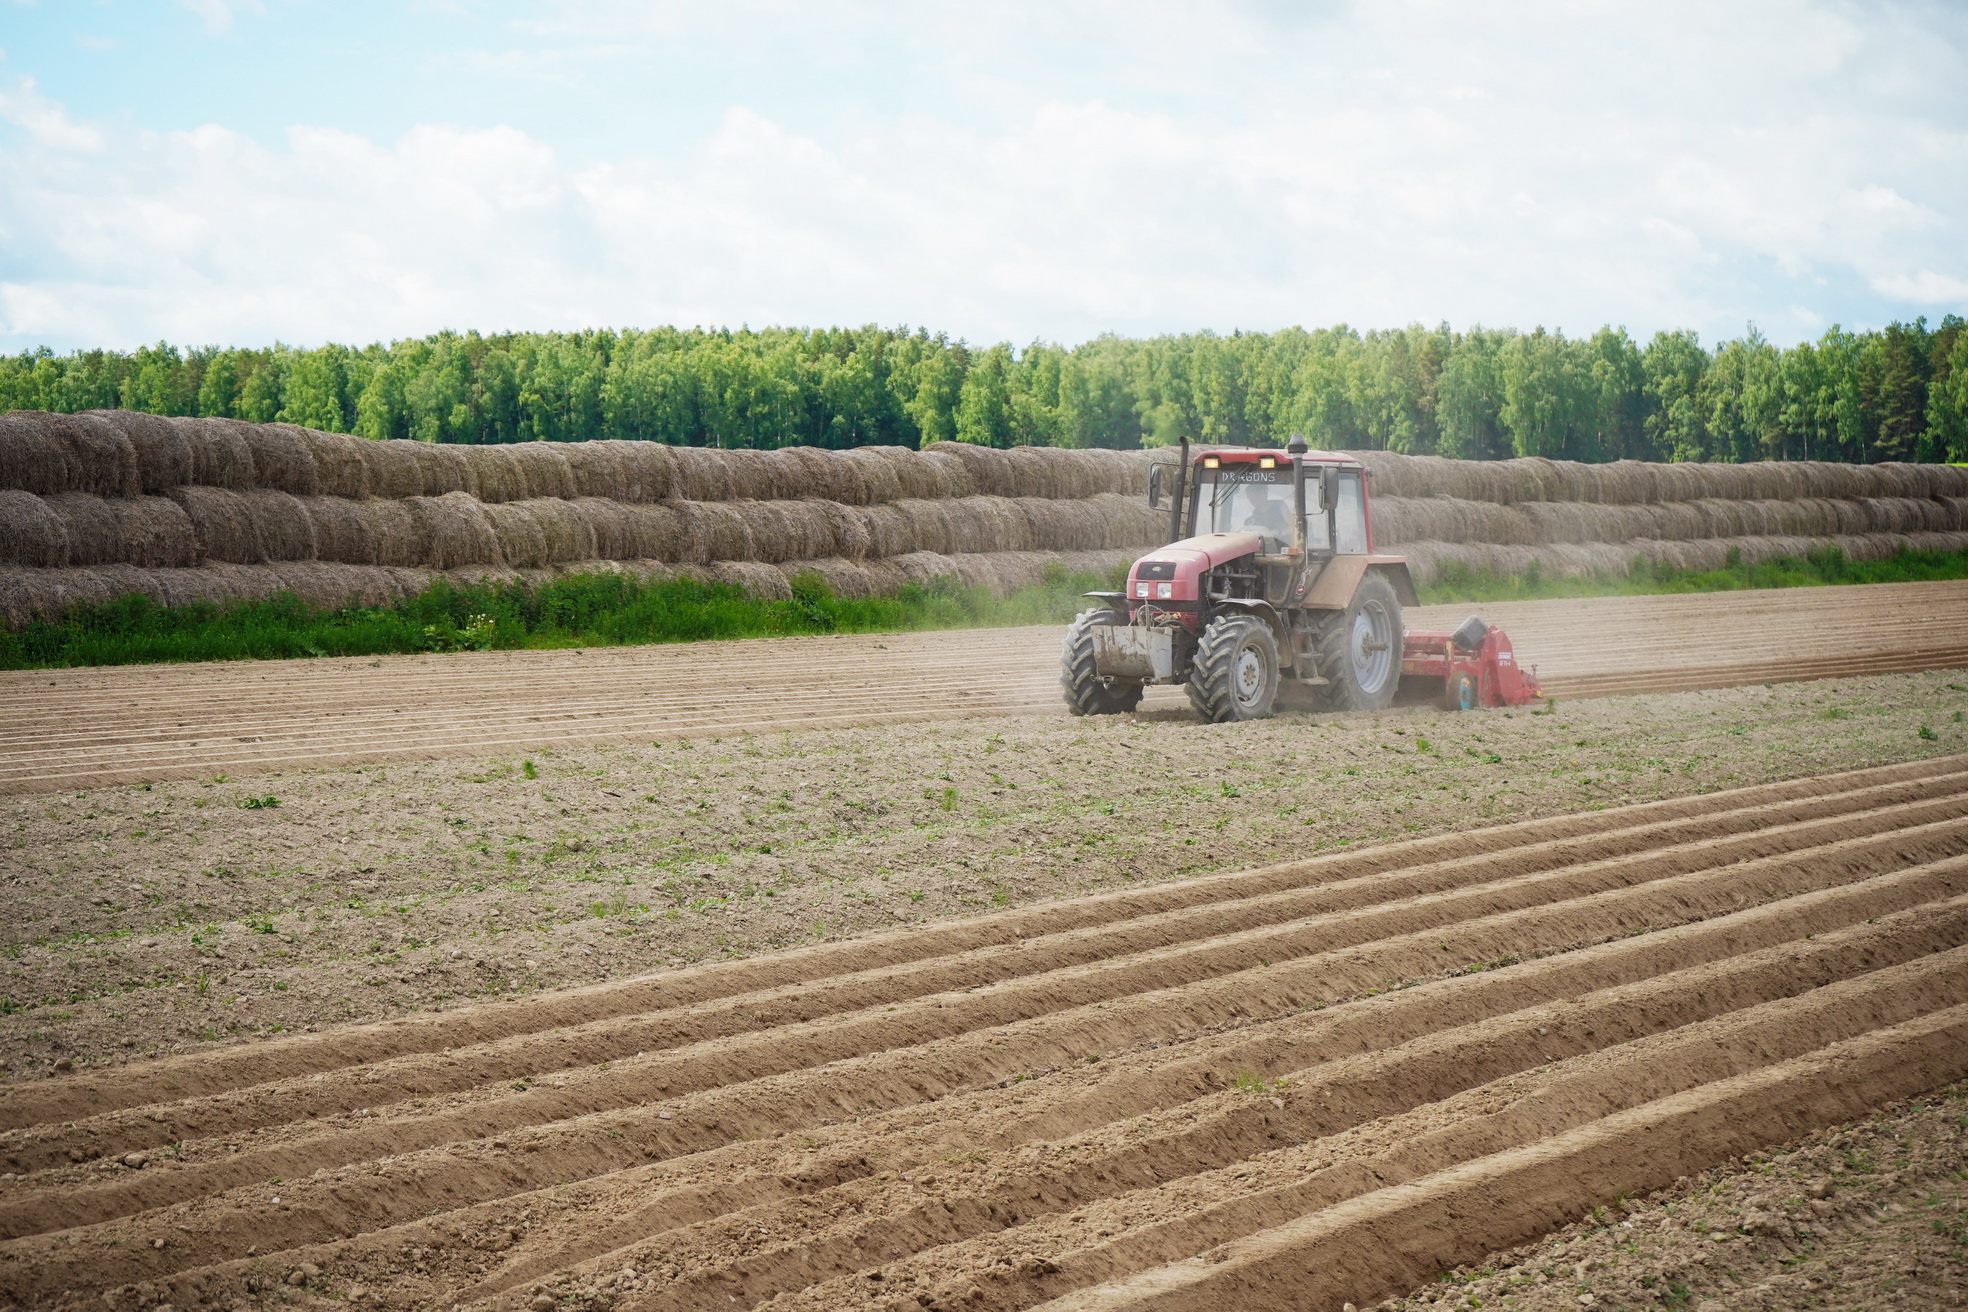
point(1360, 648)
point(1235, 675)
point(1086, 692)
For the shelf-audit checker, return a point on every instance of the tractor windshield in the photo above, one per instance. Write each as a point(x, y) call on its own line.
point(1245, 499)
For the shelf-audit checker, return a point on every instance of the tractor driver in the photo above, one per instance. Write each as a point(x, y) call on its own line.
point(1267, 513)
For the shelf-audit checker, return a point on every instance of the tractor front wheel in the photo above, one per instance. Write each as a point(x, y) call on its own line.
point(1235, 676)
point(1086, 692)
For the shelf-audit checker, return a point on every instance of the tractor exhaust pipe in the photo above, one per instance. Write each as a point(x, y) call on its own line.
point(1181, 494)
point(1296, 449)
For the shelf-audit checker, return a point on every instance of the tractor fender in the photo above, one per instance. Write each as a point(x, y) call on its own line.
point(1395, 570)
point(1265, 611)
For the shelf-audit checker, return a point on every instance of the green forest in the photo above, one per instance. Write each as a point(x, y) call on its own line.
point(1900, 393)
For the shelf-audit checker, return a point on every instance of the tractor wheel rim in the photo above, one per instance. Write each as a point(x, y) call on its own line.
point(1248, 679)
point(1371, 647)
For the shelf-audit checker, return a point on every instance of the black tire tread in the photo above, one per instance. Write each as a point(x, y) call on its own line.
point(1085, 693)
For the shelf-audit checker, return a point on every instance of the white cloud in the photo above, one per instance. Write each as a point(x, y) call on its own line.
point(218, 14)
point(1681, 164)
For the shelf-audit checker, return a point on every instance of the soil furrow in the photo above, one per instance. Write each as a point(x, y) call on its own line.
point(174, 1079)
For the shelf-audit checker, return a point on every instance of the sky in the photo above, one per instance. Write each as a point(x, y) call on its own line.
point(239, 172)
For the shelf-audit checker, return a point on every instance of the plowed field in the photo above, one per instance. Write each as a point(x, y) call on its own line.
point(1283, 1088)
point(86, 728)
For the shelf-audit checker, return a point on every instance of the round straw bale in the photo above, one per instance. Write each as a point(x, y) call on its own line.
point(162, 450)
point(1946, 480)
point(227, 531)
point(396, 536)
point(219, 455)
point(758, 580)
point(710, 530)
point(1127, 521)
point(829, 475)
point(567, 533)
point(611, 525)
point(282, 458)
point(339, 467)
point(929, 526)
point(925, 476)
point(458, 529)
point(844, 578)
point(482, 576)
point(548, 473)
point(1053, 526)
point(102, 460)
point(442, 469)
point(648, 470)
point(82, 528)
point(393, 468)
point(877, 473)
point(154, 532)
point(597, 469)
point(974, 524)
point(34, 456)
point(990, 472)
point(330, 586)
point(522, 542)
point(281, 523)
point(846, 526)
point(1954, 511)
point(654, 532)
point(755, 475)
point(1039, 472)
point(33, 532)
point(341, 533)
point(891, 532)
point(1394, 474)
point(702, 474)
point(497, 474)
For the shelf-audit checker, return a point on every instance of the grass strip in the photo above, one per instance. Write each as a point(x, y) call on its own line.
point(606, 610)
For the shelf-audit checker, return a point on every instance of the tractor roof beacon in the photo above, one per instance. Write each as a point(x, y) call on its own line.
point(1269, 574)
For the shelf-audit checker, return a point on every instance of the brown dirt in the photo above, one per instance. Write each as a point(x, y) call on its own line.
point(69, 729)
point(1297, 1085)
point(1869, 1215)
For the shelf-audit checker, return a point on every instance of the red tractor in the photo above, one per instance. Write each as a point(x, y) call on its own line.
point(1269, 574)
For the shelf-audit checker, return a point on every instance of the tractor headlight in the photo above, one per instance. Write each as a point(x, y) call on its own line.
point(1141, 589)
point(1164, 590)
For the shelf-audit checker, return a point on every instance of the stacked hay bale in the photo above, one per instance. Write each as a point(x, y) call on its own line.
point(106, 503)
point(102, 504)
point(1568, 518)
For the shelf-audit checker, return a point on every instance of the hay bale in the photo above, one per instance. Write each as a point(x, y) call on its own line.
point(990, 472)
point(442, 470)
point(522, 541)
point(546, 469)
point(456, 529)
point(610, 524)
point(83, 529)
point(33, 533)
point(699, 473)
point(392, 468)
point(396, 536)
point(925, 475)
point(154, 532)
point(890, 531)
point(836, 476)
point(928, 525)
point(761, 581)
point(654, 532)
point(162, 450)
point(280, 455)
point(649, 471)
point(281, 523)
point(341, 532)
point(845, 578)
point(339, 467)
point(219, 454)
point(846, 527)
point(567, 533)
point(498, 473)
point(331, 586)
point(100, 458)
point(598, 470)
point(877, 473)
point(754, 475)
point(1051, 526)
point(34, 456)
point(710, 530)
point(226, 529)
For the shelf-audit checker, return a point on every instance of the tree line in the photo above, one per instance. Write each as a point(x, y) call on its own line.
point(1899, 393)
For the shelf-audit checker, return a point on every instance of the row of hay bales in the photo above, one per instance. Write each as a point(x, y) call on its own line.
point(1430, 560)
point(1636, 483)
point(1400, 520)
point(123, 453)
point(190, 524)
point(26, 592)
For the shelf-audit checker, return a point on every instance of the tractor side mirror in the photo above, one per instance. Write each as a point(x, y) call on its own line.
point(1155, 486)
point(1328, 489)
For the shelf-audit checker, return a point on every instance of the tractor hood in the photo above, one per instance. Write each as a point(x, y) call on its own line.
point(1209, 550)
point(1173, 573)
